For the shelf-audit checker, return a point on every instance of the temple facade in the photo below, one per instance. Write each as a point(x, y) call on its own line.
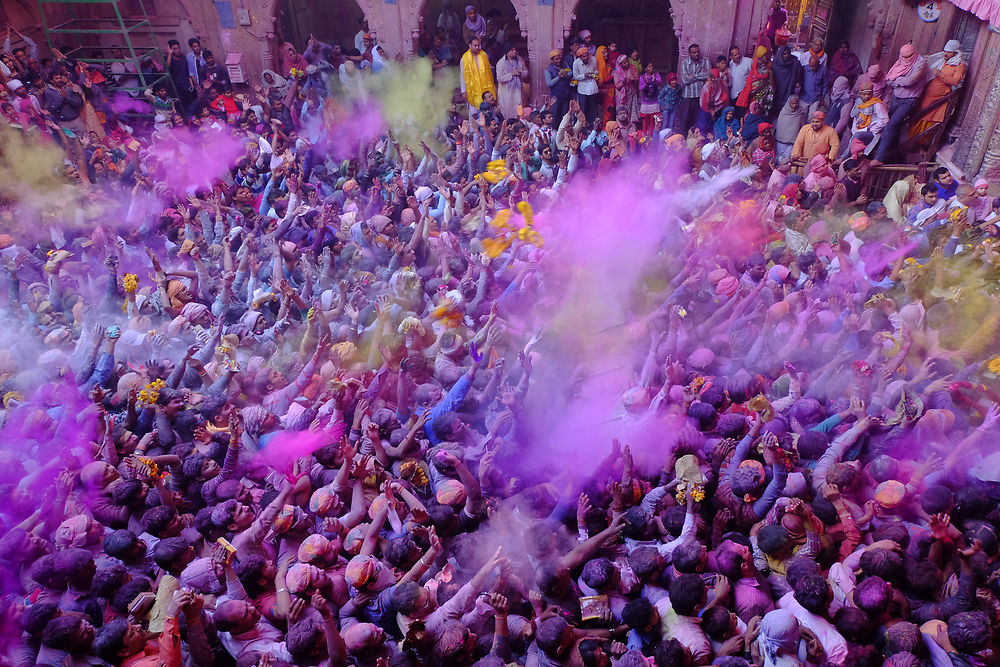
point(249, 32)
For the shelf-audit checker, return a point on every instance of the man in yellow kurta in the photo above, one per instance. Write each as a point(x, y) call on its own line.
point(477, 78)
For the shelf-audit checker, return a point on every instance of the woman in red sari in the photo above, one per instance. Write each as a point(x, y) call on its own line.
point(760, 83)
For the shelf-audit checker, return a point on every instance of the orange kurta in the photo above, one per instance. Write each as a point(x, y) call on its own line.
point(942, 83)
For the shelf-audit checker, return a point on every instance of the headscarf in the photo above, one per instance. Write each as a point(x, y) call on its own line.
point(721, 125)
point(779, 639)
point(907, 59)
point(479, 25)
point(194, 310)
point(200, 576)
point(845, 65)
point(841, 89)
point(937, 60)
point(787, 70)
point(360, 570)
point(753, 77)
point(820, 175)
point(279, 81)
point(789, 122)
point(752, 121)
point(603, 68)
point(616, 142)
point(876, 77)
point(72, 533)
point(174, 288)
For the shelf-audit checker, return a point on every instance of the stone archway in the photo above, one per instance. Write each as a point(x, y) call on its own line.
point(414, 16)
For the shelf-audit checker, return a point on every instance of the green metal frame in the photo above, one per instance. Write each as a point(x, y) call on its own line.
point(85, 29)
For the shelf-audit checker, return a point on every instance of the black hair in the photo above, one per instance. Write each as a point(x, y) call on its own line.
point(882, 563)
point(127, 593)
point(969, 631)
point(671, 653)
point(813, 593)
point(109, 579)
point(110, 640)
point(687, 593)
point(173, 42)
point(853, 624)
point(169, 551)
point(645, 562)
point(715, 622)
point(156, 519)
point(405, 597)
point(687, 557)
point(812, 445)
point(193, 41)
point(599, 573)
point(61, 633)
point(120, 543)
point(37, 616)
point(637, 613)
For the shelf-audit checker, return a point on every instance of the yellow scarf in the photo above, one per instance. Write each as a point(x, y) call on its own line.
point(866, 118)
point(478, 77)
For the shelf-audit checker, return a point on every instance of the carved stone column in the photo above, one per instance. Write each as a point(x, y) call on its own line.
point(978, 145)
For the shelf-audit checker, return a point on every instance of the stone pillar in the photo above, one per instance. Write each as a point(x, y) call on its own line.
point(978, 145)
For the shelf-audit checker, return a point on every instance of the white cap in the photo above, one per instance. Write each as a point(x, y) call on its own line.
point(953, 46)
point(14, 84)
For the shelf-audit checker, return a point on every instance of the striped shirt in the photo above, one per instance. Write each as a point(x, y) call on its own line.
point(693, 76)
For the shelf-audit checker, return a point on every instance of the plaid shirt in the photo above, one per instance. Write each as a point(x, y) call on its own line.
point(693, 76)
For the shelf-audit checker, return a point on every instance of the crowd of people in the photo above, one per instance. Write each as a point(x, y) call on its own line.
point(292, 413)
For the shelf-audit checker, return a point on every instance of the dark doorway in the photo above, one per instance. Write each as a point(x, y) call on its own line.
point(645, 25)
point(334, 20)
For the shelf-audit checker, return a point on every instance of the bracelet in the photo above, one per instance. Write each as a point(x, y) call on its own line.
point(282, 590)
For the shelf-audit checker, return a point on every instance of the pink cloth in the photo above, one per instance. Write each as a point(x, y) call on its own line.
point(987, 10)
point(907, 59)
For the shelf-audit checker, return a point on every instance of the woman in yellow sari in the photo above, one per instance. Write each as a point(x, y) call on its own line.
point(605, 84)
point(477, 77)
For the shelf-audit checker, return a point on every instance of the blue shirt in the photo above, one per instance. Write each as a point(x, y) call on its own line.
point(814, 84)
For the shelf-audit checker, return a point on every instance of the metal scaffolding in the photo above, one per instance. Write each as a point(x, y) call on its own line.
point(79, 28)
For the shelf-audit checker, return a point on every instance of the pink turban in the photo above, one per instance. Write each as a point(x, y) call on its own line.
point(313, 548)
point(359, 570)
point(355, 537)
point(322, 501)
point(778, 310)
point(981, 183)
point(300, 576)
point(907, 51)
point(636, 399)
point(779, 273)
point(701, 358)
point(360, 636)
point(859, 222)
point(73, 532)
point(451, 492)
point(200, 576)
point(715, 276)
point(890, 493)
point(192, 311)
point(728, 286)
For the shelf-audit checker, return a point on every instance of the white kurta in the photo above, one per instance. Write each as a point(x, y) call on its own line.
point(509, 80)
